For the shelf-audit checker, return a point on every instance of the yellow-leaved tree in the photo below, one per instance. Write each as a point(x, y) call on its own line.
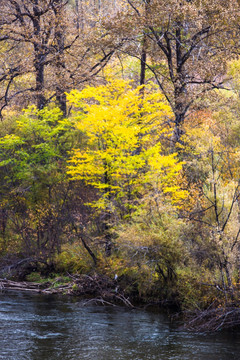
point(121, 154)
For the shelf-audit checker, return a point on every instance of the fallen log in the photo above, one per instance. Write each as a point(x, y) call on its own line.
point(9, 283)
point(26, 286)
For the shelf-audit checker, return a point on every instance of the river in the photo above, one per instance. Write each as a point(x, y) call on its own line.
point(37, 327)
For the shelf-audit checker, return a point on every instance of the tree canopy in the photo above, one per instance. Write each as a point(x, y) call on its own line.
point(119, 148)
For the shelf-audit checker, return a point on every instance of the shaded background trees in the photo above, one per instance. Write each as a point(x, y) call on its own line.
point(185, 45)
point(31, 33)
point(48, 48)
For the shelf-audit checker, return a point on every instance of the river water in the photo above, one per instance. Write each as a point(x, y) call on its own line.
point(37, 327)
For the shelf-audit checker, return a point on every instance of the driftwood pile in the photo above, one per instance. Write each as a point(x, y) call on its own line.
point(98, 289)
point(30, 286)
point(214, 319)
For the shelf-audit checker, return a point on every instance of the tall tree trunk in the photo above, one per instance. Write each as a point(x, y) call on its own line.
point(39, 58)
point(180, 91)
point(108, 215)
point(143, 63)
point(177, 130)
point(39, 70)
point(144, 53)
point(60, 63)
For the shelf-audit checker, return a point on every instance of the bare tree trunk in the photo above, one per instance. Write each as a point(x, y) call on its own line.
point(80, 16)
point(143, 64)
point(39, 58)
point(60, 63)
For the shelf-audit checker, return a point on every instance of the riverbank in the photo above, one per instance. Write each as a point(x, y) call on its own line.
point(98, 289)
point(104, 287)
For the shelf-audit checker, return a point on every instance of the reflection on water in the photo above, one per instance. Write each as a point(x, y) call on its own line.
point(37, 327)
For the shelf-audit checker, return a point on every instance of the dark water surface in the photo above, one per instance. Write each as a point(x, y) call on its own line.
point(37, 327)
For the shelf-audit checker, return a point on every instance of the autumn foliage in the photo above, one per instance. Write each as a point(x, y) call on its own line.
point(119, 146)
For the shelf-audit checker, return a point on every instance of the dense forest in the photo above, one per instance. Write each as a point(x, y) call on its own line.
point(120, 148)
